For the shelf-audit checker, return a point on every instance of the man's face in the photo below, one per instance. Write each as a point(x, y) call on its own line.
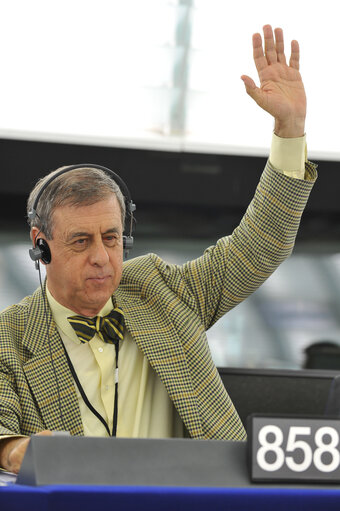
point(87, 255)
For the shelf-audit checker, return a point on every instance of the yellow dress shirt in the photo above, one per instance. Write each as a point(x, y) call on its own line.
point(144, 407)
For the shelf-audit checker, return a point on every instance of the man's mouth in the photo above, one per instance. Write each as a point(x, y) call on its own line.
point(99, 278)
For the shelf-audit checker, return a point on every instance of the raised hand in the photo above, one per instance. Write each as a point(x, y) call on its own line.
point(281, 91)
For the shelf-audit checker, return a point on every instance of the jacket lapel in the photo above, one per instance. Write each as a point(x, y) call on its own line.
point(158, 340)
point(49, 382)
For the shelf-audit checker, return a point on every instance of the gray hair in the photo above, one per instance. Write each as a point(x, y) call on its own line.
point(79, 187)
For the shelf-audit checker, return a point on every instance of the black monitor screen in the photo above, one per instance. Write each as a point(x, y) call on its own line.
point(277, 391)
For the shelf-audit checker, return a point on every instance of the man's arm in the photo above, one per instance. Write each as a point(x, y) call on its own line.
point(237, 265)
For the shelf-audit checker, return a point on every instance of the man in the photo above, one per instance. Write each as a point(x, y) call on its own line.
point(52, 379)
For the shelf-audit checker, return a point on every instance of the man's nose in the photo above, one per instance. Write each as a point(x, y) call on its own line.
point(99, 255)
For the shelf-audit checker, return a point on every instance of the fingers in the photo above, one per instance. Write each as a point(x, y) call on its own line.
point(269, 56)
point(269, 45)
point(295, 55)
point(273, 51)
point(259, 58)
point(279, 45)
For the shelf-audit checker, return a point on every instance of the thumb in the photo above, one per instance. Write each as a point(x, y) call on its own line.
point(251, 89)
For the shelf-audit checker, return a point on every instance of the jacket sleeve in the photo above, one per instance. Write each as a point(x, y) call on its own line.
point(238, 264)
point(10, 410)
point(12, 379)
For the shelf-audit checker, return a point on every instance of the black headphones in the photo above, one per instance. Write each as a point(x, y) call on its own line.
point(41, 250)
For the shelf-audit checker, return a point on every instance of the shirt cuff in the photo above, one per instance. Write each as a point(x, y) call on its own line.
point(288, 155)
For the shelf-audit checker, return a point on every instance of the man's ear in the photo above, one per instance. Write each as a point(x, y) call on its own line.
point(34, 232)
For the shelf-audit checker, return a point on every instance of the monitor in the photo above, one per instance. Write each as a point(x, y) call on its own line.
point(281, 391)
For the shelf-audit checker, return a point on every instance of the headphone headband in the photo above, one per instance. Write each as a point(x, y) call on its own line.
point(130, 206)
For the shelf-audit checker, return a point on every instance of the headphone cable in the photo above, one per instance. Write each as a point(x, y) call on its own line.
point(49, 345)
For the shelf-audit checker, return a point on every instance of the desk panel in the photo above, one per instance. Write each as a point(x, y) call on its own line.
point(90, 498)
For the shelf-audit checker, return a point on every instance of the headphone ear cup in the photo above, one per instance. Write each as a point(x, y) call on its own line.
point(45, 250)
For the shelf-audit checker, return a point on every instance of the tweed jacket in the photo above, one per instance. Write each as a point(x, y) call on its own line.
point(168, 309)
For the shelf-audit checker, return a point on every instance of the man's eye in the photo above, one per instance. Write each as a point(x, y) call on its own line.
point(111, 239)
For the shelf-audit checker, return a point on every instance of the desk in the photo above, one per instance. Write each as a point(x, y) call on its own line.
point(118, 498)
point(196, 472)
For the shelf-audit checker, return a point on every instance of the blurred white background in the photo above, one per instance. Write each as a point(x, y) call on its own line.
point(165, 74)
point(159, 73)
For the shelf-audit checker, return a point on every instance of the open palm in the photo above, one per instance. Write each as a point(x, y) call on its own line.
point(281, 91)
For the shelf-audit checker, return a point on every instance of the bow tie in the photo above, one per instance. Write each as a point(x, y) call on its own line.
point(110, 328)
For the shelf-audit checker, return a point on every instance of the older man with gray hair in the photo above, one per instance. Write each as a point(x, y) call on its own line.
point(60, 347)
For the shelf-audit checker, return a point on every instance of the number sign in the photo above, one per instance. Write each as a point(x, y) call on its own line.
point(294, 449)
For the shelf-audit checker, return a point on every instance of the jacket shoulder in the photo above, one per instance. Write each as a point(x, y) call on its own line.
point(149, 273)
point(14, 318)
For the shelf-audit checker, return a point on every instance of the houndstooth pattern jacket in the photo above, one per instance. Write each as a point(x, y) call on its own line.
point(168, 309)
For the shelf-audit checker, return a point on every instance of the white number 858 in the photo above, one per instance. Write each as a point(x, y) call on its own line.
point(293, 444)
